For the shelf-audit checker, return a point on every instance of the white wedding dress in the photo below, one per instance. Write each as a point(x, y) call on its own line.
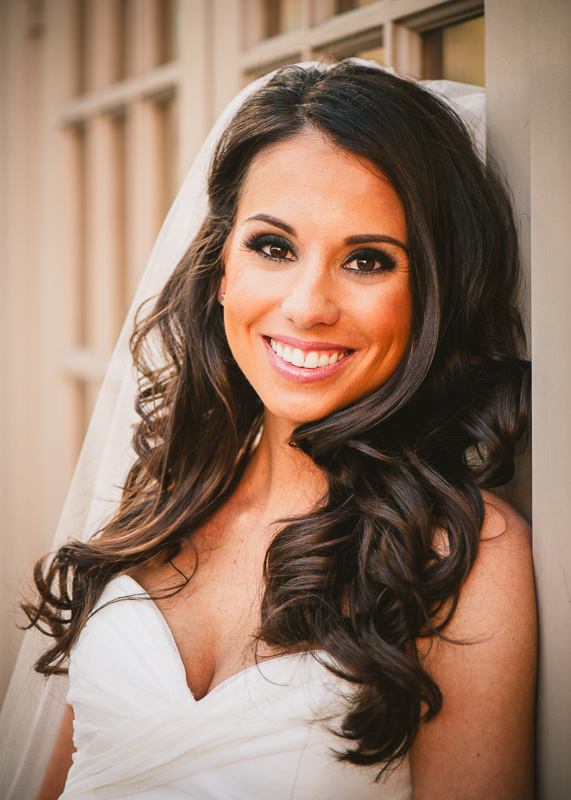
point(263, 733)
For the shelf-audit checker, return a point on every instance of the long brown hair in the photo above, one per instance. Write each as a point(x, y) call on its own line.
point(359, 576)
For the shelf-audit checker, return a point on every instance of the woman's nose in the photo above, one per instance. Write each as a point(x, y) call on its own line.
point(310, 297)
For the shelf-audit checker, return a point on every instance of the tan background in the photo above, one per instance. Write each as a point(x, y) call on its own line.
point(103, 104)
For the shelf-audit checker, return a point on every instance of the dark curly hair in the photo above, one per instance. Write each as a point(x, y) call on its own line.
point(360, 575)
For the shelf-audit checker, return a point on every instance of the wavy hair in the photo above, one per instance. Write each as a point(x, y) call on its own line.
point(359, 576)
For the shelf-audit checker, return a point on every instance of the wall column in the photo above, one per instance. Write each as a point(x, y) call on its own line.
point(528, 74)
point(550, 205)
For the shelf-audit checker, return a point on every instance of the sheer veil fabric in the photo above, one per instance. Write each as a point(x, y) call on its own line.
point(34, 707)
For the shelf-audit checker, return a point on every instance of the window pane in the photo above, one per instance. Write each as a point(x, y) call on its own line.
point(373, 54)
point(167, 31)
point(81, 38)
point(168, 142)
point(367, 45)
point(456, 52)
point(120, 142)
point(348, 5)
point(120, 8)
point(283, 16)
point(127, 11)
point(463, 52)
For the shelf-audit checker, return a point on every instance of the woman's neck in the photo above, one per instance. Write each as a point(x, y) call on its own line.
point(281, 479)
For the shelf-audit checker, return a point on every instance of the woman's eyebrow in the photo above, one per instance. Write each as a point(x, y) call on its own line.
point(375, 237)
point(273, 221)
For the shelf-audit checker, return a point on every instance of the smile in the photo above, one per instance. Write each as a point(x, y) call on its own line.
point(307, 359)
point(304, 362)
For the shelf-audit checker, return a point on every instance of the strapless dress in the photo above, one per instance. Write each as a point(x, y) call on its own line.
point(266, 732)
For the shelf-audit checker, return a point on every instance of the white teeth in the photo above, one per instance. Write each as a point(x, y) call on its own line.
point(312, 360)
point(297, 358)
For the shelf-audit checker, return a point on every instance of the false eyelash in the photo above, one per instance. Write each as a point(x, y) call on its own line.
point(386, 260)
point(256, 241)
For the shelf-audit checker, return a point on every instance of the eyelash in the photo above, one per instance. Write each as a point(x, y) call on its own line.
point(257, 242)
point(387, 262)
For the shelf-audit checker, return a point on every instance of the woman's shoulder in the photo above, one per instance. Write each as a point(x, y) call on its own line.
point(499, 590)
point(485, 667)
point(502, 519)
point(501, 580)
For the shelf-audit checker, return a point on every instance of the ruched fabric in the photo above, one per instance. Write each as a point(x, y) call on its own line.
point(264, 733)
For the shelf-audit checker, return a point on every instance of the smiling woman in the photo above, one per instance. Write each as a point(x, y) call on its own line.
point(330, 382)
point(316, 268)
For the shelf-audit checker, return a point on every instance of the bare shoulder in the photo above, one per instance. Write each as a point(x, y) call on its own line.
point(500, 588)
point(481, 743)
point(503, 520)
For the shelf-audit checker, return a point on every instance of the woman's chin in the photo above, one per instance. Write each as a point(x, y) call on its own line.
point(292, 417)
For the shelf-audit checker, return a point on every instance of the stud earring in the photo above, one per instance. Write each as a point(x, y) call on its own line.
point(222, 298)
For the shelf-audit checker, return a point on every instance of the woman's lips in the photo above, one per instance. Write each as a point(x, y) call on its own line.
point(305, 362)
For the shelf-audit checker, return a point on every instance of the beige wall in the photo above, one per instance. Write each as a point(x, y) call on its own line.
point(550, 206)
point(529, 107)
point(87, 175)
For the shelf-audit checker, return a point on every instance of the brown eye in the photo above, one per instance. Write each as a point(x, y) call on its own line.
point(270, 246)
point(277, 251)
point(365, 264)
point(370, 261)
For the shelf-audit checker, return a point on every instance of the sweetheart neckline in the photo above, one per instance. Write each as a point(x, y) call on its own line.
point(143, 594)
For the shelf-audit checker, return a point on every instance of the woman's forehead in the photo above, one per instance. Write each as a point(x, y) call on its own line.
point(309, 176)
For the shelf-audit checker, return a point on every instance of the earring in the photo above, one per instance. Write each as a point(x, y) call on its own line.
point(222, 298)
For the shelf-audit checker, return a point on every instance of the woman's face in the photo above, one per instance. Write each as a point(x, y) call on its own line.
point(317, 293)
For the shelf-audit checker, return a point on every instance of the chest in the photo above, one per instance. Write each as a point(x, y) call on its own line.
point(215, 617)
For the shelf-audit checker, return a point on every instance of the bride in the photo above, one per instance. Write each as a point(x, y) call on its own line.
point(307, 588)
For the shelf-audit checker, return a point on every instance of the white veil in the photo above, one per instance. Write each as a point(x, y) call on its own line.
point(33, 709)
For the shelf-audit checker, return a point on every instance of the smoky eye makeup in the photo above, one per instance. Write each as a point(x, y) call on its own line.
point(369, 261)
point(271, 246)
point(364, 261)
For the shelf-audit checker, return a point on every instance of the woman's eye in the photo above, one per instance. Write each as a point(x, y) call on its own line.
point(270, 246)
point(365, 264)
point(370, 261)
point(275, 250)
